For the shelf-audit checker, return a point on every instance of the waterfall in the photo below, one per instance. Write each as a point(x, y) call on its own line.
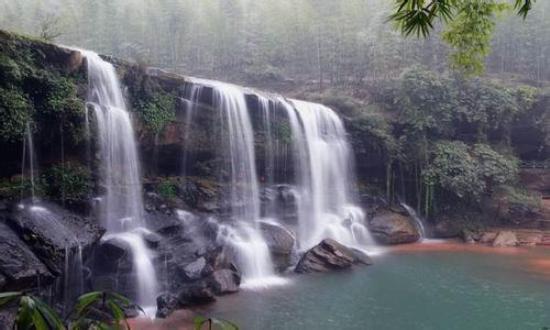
point(269, 148)
point(122, 207)
point(244, 235)
point(325, 175)
point(28, 153)
point(417, 220)
point(193, 92)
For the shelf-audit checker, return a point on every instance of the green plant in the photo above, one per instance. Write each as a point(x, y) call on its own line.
point(108, 304)
point(167, 189)
point(34, 314)
point(68, 181)
point(213, 323)
point(156, 111)
point(15, 111)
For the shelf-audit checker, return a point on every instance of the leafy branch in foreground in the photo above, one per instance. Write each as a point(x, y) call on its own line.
point(201, 321)
point(93, 310)
point(469, 25)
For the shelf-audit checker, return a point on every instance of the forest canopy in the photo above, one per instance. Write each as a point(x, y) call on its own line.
point(341, 43)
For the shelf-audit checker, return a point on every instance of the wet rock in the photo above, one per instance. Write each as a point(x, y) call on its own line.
point(530, 238)
point(7, 318)
point(280, 242)
point(447, 228)
point(326, 256)
point(488, 237)
point(194, 270)
point(19, 267)
point(51, 231)
point(389, 227)
point(196, 294)
point(110, 255)
point(361, 257)
point(281, 201)
point(166, 305)
point(505, 238)
point(225, 281)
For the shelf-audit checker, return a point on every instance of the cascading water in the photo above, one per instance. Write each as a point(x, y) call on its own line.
point(193, 92)
point(122, 206)
point(244, 235)
point(417, 220)
point(28, 154)
point(325, 175)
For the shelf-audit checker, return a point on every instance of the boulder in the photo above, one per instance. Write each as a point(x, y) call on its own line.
point(166, 304)
point(361, 257)
point(390, 227)
point(7, 318)
point(326, 256)
point(505, 238)
point(488, 237)
point(281, 201)
point(225, 281)
point(195, 294)
point(447, 228)
point(529, 238)
point(280, 242)
point(51, 231)
point(194, 270)
point(19, 267)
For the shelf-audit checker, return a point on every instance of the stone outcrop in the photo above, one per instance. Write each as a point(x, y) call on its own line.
point(19, 266)
point(389, 227)
point(505, 238)
point(280, 242)
point(329, 255)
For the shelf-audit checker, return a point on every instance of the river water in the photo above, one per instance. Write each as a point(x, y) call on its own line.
point(420, 286)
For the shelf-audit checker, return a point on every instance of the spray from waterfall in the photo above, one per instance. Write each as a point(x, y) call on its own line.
point(122, 207)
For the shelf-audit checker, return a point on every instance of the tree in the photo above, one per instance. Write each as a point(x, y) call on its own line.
point(469, 25)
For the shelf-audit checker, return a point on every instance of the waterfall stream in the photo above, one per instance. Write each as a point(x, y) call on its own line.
point(122, 207)
point(325, 175)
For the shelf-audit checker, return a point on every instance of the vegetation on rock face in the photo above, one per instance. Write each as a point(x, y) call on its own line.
point(156, 111)
point(67, 181)
point(32, 89)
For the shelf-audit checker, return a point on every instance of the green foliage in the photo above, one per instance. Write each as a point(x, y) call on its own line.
point(33, 314)
point(469, 30)
point(167, 189)
point(520, 196)
point(493, 168)
point(109, 304)
point(67, 181)
point(427, 101)
point(470, 34)
point(213, 323)
point(15, 112)
point(156, 111)
point(468, 172)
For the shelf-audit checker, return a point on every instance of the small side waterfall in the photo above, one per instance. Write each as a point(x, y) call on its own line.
point(122, 207)
point(28, 155)
point(417, 220)
point(325, 174)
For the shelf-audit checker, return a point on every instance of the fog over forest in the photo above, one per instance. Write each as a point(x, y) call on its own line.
point(344, 42)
